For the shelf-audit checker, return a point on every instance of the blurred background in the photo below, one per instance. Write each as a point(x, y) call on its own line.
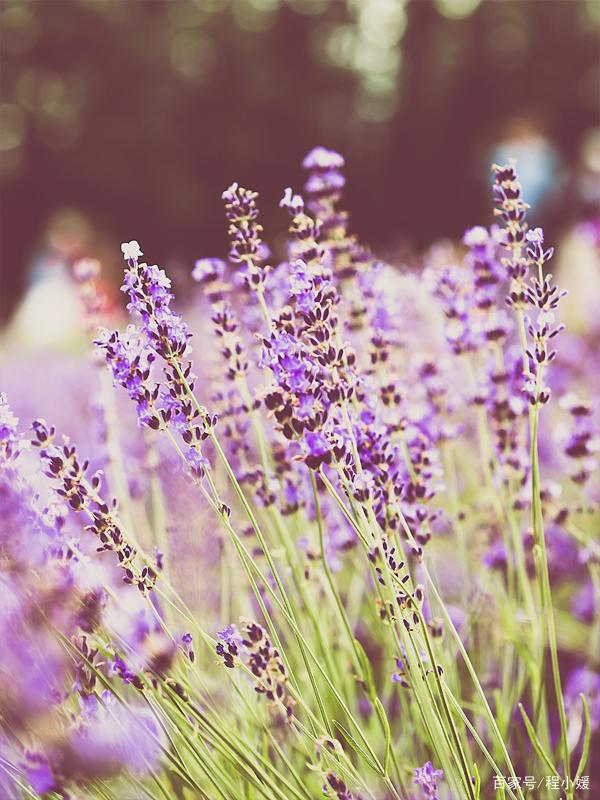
point(124, 120)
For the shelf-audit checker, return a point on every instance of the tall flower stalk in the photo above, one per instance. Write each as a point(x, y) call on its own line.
point(540, 297)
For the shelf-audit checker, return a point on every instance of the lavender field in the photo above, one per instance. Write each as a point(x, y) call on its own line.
point(327, 527)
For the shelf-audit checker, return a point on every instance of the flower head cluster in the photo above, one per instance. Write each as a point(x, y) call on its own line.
point(467, 295)
point(81, 492)
point(538, 294)
point(584, 681)
point(324, 184)
point(312, 372)
point(51, 604)
point(427, 778)
point(150, 297)
point(106, 739)
point(544, 298)
point(512, 209)
point(453, 288)
point(417, 483)
point(162, 332)
point(39, 596)
point(361, 280)
point(323, 188)
point(482, 260)
point(246, 248)
point(305, 230)
point(506, 405)
point(252, 647)
point(337, 786)
point(130, 359)
point(233, 350)
point(9, 439)
point(477, 326)
point(209, 273)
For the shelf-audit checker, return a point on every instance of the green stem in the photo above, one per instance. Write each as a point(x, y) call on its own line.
point(542, 564)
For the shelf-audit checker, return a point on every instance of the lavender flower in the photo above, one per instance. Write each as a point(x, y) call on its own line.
point(338, 787)
point(107, 739)
point(148, 288)
point(39, 774)
point(130, 360)
point(427, 778)
point(31, 655)
point(312, 372)
point(583, 605)
point(163, 333)
point(82, 493)
point(111, 738)
point(323, 188)
point(207, 270)
point(210, 274)
point(512, 209)
point(583, 443)
point(244, 232)
point(526, 248)
point(324, 184)
point(253, 648)
point(232, 347)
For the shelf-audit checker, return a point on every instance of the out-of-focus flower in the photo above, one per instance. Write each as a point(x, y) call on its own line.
point(583, 681)
point(111, 737)
point(86, 269)
point(427, 778)
point(208, 269)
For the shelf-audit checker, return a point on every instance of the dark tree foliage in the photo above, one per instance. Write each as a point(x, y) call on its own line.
point(148, 150)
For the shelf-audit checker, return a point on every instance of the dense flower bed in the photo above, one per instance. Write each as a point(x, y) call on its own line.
point(348, 550)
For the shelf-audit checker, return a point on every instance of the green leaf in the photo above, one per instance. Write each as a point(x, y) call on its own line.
point(367, 672)
point(388, 733)
point(586, 740)
point(537, 745)
point(477, 782)
point(357, 747)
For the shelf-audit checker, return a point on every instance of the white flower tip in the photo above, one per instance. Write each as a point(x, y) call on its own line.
point(287, 197)
point(535, 235)
point(230, 191)
point(131, 250)
point(290, 200)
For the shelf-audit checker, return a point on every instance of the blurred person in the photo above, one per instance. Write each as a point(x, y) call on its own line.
point(49, 315)
point(578, 255)
point(586, 177)
point(578, 270)
point(538, 161)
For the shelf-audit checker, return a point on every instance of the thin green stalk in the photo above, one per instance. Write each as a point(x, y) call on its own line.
point(296, 630)
point(547, 608)
point(467, 661)
point(344, 618)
